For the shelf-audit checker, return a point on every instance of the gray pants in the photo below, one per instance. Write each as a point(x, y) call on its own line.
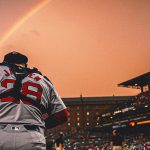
point(17, 137)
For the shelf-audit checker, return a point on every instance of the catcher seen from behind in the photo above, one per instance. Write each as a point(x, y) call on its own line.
point(25, 95)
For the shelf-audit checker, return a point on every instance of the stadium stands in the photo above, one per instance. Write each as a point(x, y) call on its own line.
point(131, 118)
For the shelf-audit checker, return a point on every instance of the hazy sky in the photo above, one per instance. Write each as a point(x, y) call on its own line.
point(83, 46)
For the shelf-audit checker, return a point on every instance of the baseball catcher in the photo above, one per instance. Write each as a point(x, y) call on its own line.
point(25, 95)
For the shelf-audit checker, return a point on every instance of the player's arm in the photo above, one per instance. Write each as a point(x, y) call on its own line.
point(55, 145)
point(111, 143)
point(56, 119)
point(123, 143)
point(60, 146)
point(57, 113)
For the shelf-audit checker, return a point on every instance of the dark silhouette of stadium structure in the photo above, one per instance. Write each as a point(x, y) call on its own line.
point(138, 82)
point(134, 114)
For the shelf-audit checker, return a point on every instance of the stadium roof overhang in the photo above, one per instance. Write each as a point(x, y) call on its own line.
point(137, 82)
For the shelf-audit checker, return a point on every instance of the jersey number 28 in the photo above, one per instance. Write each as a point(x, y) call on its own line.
point(27, 90)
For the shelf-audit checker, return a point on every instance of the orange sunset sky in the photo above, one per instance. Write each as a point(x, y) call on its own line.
point(83, 46)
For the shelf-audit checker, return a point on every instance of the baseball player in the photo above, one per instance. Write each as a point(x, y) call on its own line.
point(25, 95)
point(59, 142)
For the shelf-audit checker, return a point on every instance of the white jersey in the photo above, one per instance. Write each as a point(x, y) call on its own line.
point(35, 87)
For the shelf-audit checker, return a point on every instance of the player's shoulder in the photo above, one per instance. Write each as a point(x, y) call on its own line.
point(3, 67)
point(3, 71)
point(37, 74)
point(43, 77)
